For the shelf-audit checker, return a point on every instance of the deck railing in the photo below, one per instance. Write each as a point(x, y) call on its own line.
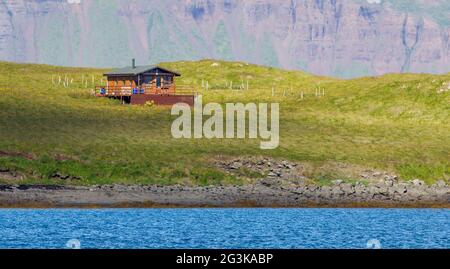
point(148, 89)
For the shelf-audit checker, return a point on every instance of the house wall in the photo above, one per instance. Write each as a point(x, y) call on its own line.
point(142, 80)
point(158, 99)
point(126, 81)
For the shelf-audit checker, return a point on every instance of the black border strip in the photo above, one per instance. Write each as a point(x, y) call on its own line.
point(254, 258)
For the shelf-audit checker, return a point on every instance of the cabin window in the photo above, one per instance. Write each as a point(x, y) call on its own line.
point(168, 79)
point(147, 79)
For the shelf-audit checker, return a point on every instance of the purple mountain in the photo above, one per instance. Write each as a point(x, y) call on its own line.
point(344, 38)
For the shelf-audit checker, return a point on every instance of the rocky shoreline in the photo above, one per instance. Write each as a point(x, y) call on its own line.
point(263, 194)
point(272, 183)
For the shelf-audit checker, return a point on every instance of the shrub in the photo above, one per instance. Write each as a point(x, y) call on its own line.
point(150, 103)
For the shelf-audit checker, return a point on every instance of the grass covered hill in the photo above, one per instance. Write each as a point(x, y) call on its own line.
point(52, 128)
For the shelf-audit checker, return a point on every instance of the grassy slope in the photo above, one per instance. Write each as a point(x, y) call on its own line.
point(394, 122)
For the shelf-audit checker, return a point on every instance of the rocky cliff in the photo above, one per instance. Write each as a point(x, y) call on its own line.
point(344, 38)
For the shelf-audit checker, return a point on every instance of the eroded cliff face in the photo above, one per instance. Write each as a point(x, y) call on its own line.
point(344, 38)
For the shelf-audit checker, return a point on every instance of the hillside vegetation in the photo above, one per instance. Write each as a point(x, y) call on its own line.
point(52, 134)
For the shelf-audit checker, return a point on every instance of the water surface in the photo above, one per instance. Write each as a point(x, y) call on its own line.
point(225, 228)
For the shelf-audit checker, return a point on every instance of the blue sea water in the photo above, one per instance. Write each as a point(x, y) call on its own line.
point(225, 228)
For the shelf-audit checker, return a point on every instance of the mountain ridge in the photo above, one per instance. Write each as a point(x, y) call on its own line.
point(325, 37)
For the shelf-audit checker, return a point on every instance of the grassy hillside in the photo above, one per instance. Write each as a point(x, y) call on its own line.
point(398, 123)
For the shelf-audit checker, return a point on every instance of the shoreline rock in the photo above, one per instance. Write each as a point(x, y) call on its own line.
point(277, 184)
point(263, 194)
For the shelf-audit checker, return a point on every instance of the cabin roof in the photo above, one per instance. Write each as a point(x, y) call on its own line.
point(138, 70)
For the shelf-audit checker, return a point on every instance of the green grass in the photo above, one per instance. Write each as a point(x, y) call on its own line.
point(398, 123)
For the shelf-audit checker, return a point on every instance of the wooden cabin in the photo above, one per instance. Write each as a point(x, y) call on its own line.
point(140, 84)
